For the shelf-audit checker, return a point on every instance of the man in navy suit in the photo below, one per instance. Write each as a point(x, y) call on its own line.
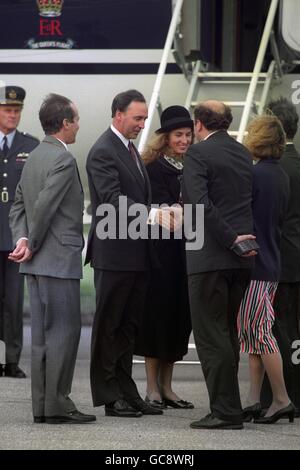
point(121, 264)
point(15, 147)
point(218, 174)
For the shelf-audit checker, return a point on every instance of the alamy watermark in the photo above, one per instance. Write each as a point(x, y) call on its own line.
point(129, 220)
point(296, 353)
point(296, 94)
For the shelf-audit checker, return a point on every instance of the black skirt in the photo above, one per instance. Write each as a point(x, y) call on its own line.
point(166, 323)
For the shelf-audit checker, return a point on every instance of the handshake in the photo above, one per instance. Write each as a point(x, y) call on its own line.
point(169, 217)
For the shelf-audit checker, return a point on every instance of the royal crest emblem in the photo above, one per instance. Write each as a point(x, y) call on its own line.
point(50, 8)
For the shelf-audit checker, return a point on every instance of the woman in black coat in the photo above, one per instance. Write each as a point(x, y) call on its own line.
point(166, 325)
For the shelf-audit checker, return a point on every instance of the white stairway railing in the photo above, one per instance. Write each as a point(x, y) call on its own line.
point(161, 72)
point(257, 69)
point(255, 75)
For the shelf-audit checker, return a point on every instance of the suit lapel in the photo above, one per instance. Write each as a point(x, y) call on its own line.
point(131, 165)
point(78, 174)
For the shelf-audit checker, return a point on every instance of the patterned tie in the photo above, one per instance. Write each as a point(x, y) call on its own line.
point(5, 148)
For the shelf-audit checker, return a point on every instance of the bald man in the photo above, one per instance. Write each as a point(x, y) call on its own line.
point(218, 174)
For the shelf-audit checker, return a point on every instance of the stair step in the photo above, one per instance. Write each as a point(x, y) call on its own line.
point(230, 74)
point(230, 82)
point(232, 104)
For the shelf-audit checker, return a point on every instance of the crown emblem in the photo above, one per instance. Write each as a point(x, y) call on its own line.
point(12, 94)
point(50, 8)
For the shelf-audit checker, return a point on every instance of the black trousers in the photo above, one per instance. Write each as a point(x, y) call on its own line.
point(286, 330)
point(120, 300)
point(11, 308)
point(215, 299)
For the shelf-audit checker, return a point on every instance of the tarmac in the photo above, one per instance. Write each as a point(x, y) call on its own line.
point(168, 432)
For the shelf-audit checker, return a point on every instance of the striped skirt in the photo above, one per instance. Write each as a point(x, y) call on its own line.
point(256, 318)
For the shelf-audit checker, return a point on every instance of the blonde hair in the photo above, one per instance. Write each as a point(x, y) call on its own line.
point(266, 137)
point(157, 146)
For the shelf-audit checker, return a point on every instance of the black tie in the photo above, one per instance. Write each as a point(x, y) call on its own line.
point(134, 156)
point(132, 151)
point(5, 148)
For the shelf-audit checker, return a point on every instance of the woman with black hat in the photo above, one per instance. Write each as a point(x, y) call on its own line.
point(166, 325)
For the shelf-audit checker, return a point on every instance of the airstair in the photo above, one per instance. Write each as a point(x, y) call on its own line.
point(231, 88)
point(245, 92)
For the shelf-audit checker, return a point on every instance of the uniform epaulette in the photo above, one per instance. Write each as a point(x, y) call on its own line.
point(30, 136)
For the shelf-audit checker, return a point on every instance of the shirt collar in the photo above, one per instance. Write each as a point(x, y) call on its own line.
point(10, 138)
point(121, 137)
point(64, 143)
point(210, 134)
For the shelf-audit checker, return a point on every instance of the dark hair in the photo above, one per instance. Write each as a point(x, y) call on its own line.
point(266, 137)
point(287, 114)
point(123, 100)
point(54, 109)
point(211, 119)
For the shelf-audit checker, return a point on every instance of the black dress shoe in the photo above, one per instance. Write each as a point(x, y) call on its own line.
point(212, 422)
point(139, 405)
point(287, 412)
point(73, 417)
point(297, 412)
point(252, 412)
point(13, 370)
point(178, 403)
point(39, 419)
point(121, 409)
point(1, 370)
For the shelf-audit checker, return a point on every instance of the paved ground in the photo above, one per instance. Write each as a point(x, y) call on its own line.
point(168, 432)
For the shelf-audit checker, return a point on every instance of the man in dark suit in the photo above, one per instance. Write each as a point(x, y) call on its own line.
point(218, 174)
point(120, 263)
point(287, 298)
point(46, 222)
point(14, 150)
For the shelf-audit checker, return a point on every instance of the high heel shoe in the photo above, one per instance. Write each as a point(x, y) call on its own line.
point(251, 412)
point(287, 412)
point(178, 404)
point(155, 403)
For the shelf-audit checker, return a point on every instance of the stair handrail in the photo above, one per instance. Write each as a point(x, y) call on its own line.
point(257, 68)
point(161, 72)
point(266, 88)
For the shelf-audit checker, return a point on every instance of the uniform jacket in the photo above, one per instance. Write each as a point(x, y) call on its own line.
point(10, 173)
point(48, 210)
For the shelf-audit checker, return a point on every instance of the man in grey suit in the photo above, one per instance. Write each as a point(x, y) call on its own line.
point(46, 222)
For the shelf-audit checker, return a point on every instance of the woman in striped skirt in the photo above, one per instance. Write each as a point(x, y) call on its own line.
point(266, 142)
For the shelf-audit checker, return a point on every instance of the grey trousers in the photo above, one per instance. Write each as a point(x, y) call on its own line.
point(56, 325)
point(11, 308)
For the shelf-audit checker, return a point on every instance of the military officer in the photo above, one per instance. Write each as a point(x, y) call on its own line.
point(15, 147)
